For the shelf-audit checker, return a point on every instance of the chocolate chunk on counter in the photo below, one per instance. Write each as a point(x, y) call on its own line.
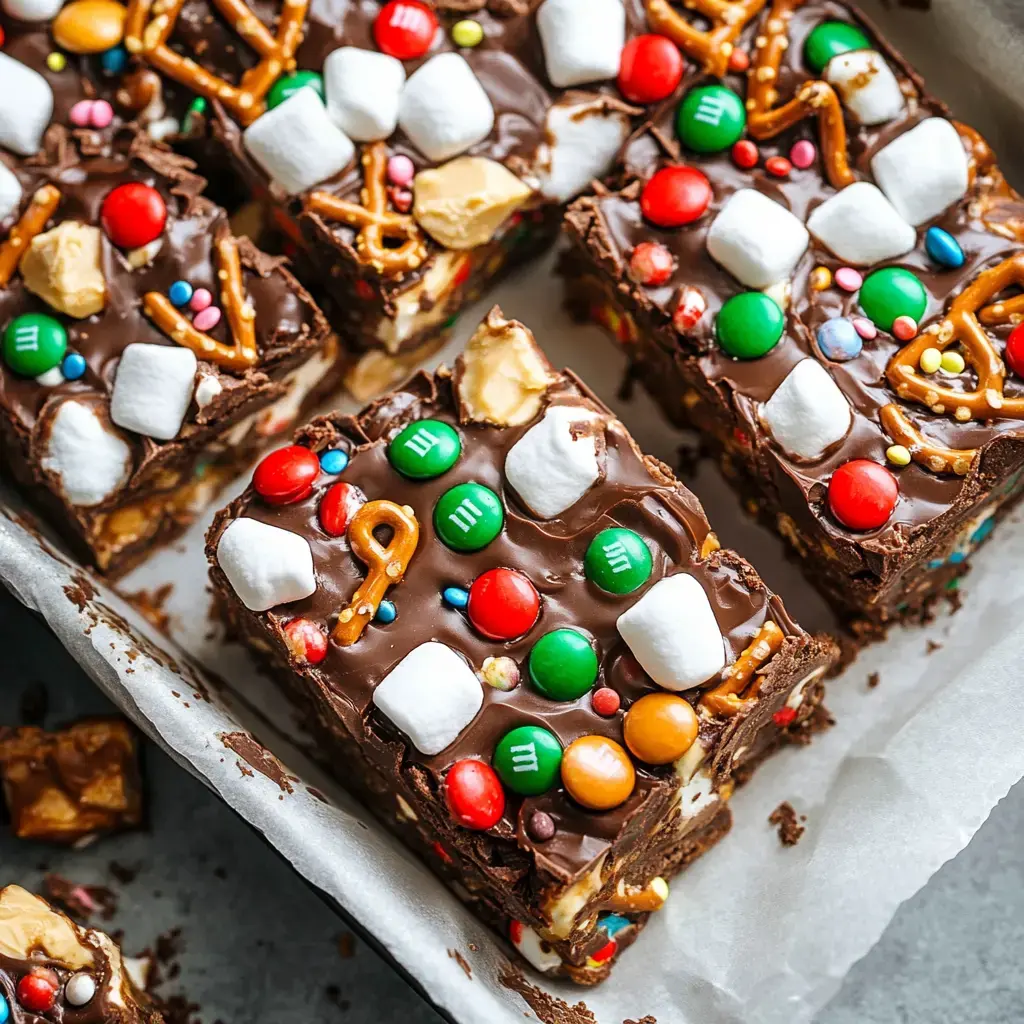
point(518, 640)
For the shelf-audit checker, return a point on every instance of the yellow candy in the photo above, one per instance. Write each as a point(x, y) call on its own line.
point(467, 33)
point(56, 61)
point(89, 26)
point(898, 455)
point(931, 360)
point(953, 362)
point(821, 278)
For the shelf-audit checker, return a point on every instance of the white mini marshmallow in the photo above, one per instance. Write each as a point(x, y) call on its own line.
point(583, 139)
point(208, 388)
point(363, 88)
point(153, 389)
point(554, 463)
point(808, 413)
point(89, 458)
point(924, 171)
point(582, 39)
point(867, 86)
point(673, 633)
point(861, 226)
point(444, 109)
point(533, 948)
point(297, 144)
point(756, 239)
point(10, 192)
point(32, 10)
point(431, 695)
point(26, 106)
point(265, 565)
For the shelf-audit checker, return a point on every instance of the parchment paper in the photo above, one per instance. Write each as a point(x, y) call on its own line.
point(753, 932)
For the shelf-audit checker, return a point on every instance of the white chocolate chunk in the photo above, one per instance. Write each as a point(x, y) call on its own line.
point(861, 226)
point(265, 565)
point(153, 389)
point(26, 106)
point(10, 192)
point(807, 414)
point(582, 39)
point(363, 88)
point(867, 86)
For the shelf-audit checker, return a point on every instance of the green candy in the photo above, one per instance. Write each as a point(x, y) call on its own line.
point(711, 119)
point(468, 517)
point(34, 343)
point(618, 561)
point(288, 85)
point(528, 760)
point(425, 449)
point(750, 325)
point(563, 665)
point(890, 293)
point(830, 39)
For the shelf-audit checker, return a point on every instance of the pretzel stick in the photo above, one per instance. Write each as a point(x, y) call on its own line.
point(725, 698)
point(1006, 312)
point(628, 900)
point(713, 48)
point(39, 210)
point(936, 457)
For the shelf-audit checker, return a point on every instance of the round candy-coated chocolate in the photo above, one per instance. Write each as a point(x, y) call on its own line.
point(830, 39)
point(37, 992)
point(401, 170)
point(750, 325)
point(456, 597)
point(650, 68)
point(180, 293)
point(73, 366)
point(838, 339)
point(133, 214)
point(862, 494)
point(890, 293)
point(503, 604)
point(676, 196)
point(711, 119)
point(89, 26)
point(306, 641)
point(501, 673)
point(618, 561)
point(745, 154)
point(848, 279)
point(527, 760)
point(286, 475)
point(1015, 350)
point(660, 727)
point(944, 249)
point(778, 167)
point(5, 1009)
point(474, 795)
point(338, 505)
point(288, 85)
point(605, 702)
point(425, 449)
point(201, 299)
point(207, 319)
point(541, 826)
point(334, 461)
point(597, 773)
point(405, 28)
point(115, 60)
point(563, 665)
point(386, 612)
point(468, 517)
point(80, 988)
point(467, 33)
point(651, 264)
point(803, 154)
point(34, 343)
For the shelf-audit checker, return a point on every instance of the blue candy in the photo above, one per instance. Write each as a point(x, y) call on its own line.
point(334, 461)
point(73, 366)
point(5, 1010)
point(613, 924)
point(944, 248)
point(386, 612)
point(180, 293)
point(115, 60)
point(456, 597)
point(838, 340)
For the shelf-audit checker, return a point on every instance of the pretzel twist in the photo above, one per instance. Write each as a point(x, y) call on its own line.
point(712, 48)
point(376, 223)
point(40, 209)
point(386, 565)
point(936, 457)
point(727, 697)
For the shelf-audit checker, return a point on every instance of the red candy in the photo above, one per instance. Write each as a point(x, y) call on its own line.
point(739, 61)
point(133, 215)
point(606, 952)
point(37, 991)
point(784, 717)
point(605, 702)
point(689, 309)
point(365, 290)
point(1014, 354)
point(862, 494)
point(286, 476)
point(778, 167)
point(745, 154)
point(651, 264)
point(676, 196)
point(503, 604)
point(337, 506)
point(405, 29)
point(650, 68)
point(306, 641)
point(474, 795)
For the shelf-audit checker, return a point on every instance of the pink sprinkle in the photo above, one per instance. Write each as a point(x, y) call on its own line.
point(905, 328)
point(80, 113)
point(400, 170)
point(803, 154)
point(201, 298)
point(101, 115)
point(206, 318)
point(849, 279)
point(865, 328)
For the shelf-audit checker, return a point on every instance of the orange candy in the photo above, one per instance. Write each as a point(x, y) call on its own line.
point(660, 728)
point(597, 772)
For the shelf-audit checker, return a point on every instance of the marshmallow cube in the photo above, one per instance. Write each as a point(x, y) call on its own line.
point(444, 109)
point(673, 633)
point(555, 462)
point(431, 695)
point(90, 460)
point(265, 565)
point(756, 239)
point(867, 86)
point(26, 106)
point(807, 414)
point(861, 226)
point(363, 88)
point(10, 192)
point(582, 40)
point(153, 389)
point(297, 144)
point(533, 948)
point(924, 171)
point(584, 139)
point(31, 10)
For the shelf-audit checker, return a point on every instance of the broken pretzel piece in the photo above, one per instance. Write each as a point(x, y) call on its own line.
point(727, 698)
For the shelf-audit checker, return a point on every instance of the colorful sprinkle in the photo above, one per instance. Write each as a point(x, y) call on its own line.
point(904, 328)
point(334, 461)
point(778, 167)
point(468, 517)
point(750, 325)
point(286, 475)
point(34, 343)
point(739, 61)
point(425, 449)
point(201, 299)
point(651, 264)
point(527, 760)
point(207, 319)
point(676, 196)
point(597, 773)
point(541, 826)
point(821, 279)
point(180, 293)
point(953, 363)
point(455, 597)
point(803, 154)
point(862, 494)
point(56, 62)
point(401, 170)
point(930, 361)
point(563, 665)
point(711, 119)
point(605, 702)
point(898, 454)
point(401, 199)
point(133, 214)
point(473, 793)
point(79, 113)
point(307, 642)
point(386, 612)
point(944, 249)
point(114, 60)
point(73, 366)
point(467, 33)
point(865, 328)
point(839, 339)
point(503, 604)
point(848, 279)
point(650, 68)
point(501, 673)
point(405, 29)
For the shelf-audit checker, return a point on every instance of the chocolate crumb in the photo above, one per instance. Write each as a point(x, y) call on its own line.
point(873, 680)
point(455, 955)
point(80, 901)
point(790, 829)
point(541, 826)
point(548, 1008)
point(333, 994)
point(346, 945)
point(932, 646)
point(124, 873)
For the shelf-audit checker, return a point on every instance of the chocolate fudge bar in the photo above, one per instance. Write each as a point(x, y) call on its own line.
point(72, 785)
point(519, 640)
point(147, 353)
point(54, 969)
point(807, 259)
